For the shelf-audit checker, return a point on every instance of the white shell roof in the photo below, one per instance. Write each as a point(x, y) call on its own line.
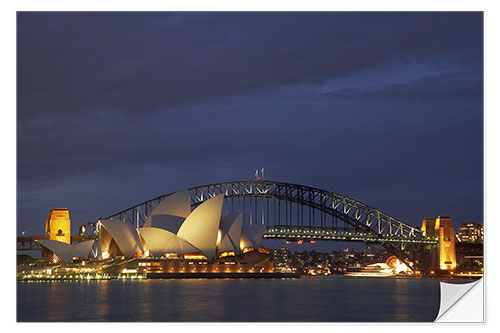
point(251, 235)
point(124, 235)
point(160, 241)
point(179, 245)
point(173, 228)
point(201, 226)
point(171, 223)
point(83, 249)
point(156, 239)
point(176, 204)
point(66, 251)
point(230, 227)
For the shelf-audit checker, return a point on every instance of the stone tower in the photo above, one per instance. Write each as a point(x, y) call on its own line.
point(58, 226)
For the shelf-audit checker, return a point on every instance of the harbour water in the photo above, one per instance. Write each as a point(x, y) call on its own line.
point(320, 299)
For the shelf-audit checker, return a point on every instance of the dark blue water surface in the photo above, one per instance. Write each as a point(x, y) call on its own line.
point(228, 300)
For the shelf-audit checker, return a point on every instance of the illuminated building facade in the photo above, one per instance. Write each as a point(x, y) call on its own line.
point(443, 256)
point(470, 232)
point(282, 260)
point(173, 240)
point(172, 232)
point(470, 256)
point(58, 226)
point(253, 262)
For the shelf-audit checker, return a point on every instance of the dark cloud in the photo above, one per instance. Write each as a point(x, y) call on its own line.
point(85, 62)
point(117, 108)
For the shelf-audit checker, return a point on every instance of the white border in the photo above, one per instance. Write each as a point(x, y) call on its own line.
point(8, 125)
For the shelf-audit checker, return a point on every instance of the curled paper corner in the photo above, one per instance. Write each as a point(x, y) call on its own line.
point(461, 303)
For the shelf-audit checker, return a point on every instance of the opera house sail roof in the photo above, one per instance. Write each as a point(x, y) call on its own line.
point(65, 251)
point(172, 228)
point(159, 241)
point(230, 228)
point(120, 238)
point(170, 213)
point(201, 226)
point(251, 236)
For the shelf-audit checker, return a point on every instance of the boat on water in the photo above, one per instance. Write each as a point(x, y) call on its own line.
point(373, 270)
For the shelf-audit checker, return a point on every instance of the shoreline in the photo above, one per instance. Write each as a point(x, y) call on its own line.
point(159, 276)
point(156, 276)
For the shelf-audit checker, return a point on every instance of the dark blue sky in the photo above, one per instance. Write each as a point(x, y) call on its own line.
point(117, 108)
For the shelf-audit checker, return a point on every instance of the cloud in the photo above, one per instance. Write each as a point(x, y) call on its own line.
point(83, 62)
point(450, 87)
point(118, 107)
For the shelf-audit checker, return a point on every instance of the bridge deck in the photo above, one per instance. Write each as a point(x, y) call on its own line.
point(339, 234)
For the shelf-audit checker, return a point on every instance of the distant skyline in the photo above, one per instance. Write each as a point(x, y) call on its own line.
point(117, 108)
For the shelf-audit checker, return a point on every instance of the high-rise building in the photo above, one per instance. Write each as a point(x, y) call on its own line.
point(470, 232)
point(282, 260)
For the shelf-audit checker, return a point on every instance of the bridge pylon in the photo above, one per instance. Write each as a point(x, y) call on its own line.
point(440, 256)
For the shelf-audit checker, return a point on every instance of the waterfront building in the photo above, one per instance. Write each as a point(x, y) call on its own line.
point(470, 232)
point(249, 263)
point(58, 225)
point(470, 256)
point(282, 260)
point(172, 240)
point(469, 247)
point(172, 232)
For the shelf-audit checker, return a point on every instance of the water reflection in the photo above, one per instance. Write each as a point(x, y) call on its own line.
point(402, 298)
point(101, 305)
point(306, 299)
point(57, 301)
point(143, 304)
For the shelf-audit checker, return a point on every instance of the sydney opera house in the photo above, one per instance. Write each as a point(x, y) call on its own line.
point(173, 240)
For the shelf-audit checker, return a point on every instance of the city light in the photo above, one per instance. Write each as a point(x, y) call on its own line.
point(401, 267)
point(105, 255)
point(121, 254)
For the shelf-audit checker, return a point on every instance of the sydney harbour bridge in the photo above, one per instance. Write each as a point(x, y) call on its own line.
point(304, 214)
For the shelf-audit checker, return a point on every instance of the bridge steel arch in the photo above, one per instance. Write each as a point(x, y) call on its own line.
point(280, 206)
